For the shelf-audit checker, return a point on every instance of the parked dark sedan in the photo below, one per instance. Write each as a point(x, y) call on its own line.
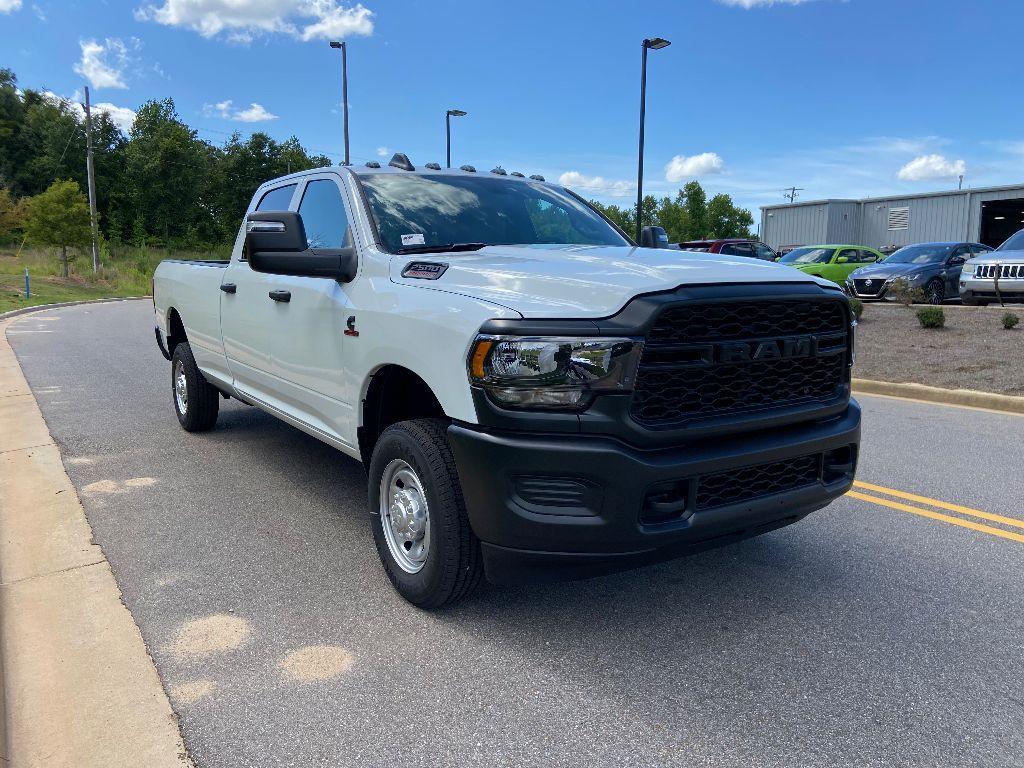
point(933, 268)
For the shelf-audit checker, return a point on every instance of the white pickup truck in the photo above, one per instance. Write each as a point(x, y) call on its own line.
point(533, 396)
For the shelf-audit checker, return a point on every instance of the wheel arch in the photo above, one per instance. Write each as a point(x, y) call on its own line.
point(175, 330)
point(393, 393)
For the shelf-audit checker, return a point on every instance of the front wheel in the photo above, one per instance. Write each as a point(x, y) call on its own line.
point(196, 401)
point(420, 526)
point(935, 292)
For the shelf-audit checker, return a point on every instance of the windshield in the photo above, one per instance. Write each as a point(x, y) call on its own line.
point(1013, 243)
point(920, 254)
point(808, 256)
point(419, 210)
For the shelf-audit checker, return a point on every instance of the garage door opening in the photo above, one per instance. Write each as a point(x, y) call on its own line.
point(1000, 219)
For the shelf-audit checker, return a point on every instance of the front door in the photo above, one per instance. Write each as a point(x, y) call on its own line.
point(247, 312)
point(309, 329)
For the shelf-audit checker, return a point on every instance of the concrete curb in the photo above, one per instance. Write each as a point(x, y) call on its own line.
point(963, 397)
point(58, 305)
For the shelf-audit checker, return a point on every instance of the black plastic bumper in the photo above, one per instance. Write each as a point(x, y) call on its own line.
point(550, 507)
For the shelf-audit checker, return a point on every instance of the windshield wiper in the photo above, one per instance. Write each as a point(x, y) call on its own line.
point(442, 248)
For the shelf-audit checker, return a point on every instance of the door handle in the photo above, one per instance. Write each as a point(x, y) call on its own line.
point(280, 295)
point(228, 287)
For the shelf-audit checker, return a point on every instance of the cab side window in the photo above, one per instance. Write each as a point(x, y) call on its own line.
point(762, 251)
point(276, 199)
point(323, 215)
point(852, 256)
point(737, 249)
point(868, 257)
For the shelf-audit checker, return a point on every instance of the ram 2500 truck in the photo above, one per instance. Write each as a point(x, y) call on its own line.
point(533, 397)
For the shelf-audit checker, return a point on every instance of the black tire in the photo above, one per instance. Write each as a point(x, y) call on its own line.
point(935, 292)
point(452, 568)
point(198, 412)
point(974, 302)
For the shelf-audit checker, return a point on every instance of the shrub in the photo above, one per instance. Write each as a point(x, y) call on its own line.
point(857, 307)
point(931, 317)
point(1010, 320)
point(905, 293)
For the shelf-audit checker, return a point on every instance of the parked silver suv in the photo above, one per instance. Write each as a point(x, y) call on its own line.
point(995, 276)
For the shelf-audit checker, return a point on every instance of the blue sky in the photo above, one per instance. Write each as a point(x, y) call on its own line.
point(842, 98)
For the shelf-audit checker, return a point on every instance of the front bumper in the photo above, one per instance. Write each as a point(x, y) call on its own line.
point(984, 289)
point(550, 507)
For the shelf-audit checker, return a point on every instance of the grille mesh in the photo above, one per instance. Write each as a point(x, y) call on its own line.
point(671, 389)
point(747, 483)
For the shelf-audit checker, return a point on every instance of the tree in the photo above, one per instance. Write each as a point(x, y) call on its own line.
point(695, 203)
point(726, 220)
point(11, 215)
point(59, 217)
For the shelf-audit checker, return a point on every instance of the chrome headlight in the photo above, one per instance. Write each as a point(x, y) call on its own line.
point(968, 270)
point(552, 373)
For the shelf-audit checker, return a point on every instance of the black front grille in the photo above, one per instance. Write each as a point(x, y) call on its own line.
point(708, 360)
point(864, 289)
point(747, 483)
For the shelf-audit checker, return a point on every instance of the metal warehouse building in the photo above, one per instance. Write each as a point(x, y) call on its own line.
point(987, 215)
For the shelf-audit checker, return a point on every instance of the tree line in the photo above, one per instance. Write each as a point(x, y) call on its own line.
point(687, 216)
point(161, 184)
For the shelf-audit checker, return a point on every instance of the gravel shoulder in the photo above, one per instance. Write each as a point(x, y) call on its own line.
point(973, 351)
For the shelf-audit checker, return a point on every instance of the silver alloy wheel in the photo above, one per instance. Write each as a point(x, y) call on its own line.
point(405, 518)
point(180, 388)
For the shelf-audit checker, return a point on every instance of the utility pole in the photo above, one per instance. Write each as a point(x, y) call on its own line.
point(91, 173)
point(791, 193)
point(961, 182)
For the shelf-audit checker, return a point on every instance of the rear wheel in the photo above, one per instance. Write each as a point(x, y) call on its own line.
point(935, 292)
point(420, 526)
point(196, 401)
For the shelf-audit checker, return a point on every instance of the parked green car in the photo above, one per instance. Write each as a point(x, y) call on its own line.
point(833, 262)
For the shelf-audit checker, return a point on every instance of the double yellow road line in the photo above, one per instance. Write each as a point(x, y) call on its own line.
point(923, 511)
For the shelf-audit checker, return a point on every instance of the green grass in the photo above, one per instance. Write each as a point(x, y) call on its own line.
point(124, 271)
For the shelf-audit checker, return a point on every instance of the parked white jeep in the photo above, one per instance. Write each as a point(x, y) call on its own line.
point(533, 396)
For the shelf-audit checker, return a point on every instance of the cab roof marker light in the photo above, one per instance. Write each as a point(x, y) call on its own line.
point(499, 170)
point(467, 168)
point(517, 174)
point(373, 164)
point(401, 162)
point(537, 177)
point(433, 166)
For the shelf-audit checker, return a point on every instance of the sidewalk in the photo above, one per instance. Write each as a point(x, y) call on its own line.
point(79, 688)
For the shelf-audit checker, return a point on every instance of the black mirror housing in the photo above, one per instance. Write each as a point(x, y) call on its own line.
point(275, 242)
point(653, 237)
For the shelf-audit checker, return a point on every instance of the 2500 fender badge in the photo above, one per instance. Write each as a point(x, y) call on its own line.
point(424, 270)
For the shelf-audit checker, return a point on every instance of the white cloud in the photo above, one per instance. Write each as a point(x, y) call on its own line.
point(9, 6)
point(681, 167)
point(242, 20)
point(103, 64)
point(254, 113)
point(927, 167)
point(748, 4)
point(122, 116)
point(596, 184)
point(383, 151)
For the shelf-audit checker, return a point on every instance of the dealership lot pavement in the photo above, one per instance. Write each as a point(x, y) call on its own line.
point(869, 634)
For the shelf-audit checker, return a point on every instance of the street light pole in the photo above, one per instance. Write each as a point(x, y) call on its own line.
point(656, 43)
point(344, 90)
point(448, 132)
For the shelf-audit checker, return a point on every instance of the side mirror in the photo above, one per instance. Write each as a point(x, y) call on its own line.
point(843, 260)
point(653, 237)
point(275, 242)
point(955, 261)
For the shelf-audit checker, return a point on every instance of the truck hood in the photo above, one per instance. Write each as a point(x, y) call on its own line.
point(584, 281)
point(1000, 257)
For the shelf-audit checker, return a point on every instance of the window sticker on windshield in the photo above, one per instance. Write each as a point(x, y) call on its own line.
point(424, 270)
point(416, 239)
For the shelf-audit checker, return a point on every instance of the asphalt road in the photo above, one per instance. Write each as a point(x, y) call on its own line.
point(865, 635)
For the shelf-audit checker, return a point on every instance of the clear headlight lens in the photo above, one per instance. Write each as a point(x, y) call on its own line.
point(552, 373)
point(968, 270)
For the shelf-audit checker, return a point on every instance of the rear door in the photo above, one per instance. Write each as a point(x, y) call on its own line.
point(248, 314)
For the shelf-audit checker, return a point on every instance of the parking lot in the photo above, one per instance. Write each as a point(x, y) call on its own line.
point(884, 630)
